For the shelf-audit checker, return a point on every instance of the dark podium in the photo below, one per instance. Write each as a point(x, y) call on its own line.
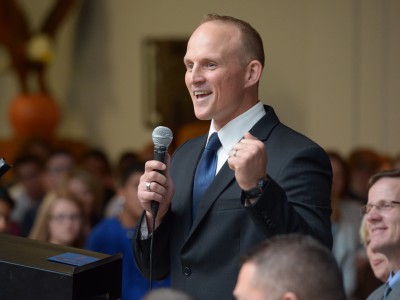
point(27, 273)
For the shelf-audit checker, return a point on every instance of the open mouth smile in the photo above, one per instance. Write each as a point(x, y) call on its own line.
point(201, 94)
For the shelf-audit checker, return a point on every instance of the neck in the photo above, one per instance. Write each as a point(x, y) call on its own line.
point(395, 264)
point(392, 254)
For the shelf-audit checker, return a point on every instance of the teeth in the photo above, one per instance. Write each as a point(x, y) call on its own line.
point(197, 93)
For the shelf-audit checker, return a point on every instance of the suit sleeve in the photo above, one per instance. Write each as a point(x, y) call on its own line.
point(297, 197)
point(160, 255)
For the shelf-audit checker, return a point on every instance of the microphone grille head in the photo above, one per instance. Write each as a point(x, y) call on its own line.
point(162, 136)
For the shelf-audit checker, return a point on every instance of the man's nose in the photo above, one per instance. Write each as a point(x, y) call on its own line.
point(373, 214)
point(196, 75)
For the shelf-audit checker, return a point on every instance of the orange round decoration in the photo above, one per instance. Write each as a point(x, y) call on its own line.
point(34, 115)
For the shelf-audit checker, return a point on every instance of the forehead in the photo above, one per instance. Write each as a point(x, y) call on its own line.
point(63, 205)
point(385, 189)
point(213, 36)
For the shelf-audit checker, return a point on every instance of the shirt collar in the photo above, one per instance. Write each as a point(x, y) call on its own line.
point(233, 131)
point(394, 278)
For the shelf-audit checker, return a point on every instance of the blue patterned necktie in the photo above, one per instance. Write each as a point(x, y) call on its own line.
point(205, 171)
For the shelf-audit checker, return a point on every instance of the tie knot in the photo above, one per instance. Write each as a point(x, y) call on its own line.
point(213, 143)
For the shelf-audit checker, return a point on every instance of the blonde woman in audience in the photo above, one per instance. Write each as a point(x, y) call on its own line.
point(59, 220)
point(378, 261)
point(372, 267)
point(89, 192)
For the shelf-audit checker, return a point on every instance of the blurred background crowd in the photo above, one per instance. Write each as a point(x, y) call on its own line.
point(85, 201)
point(81, 201)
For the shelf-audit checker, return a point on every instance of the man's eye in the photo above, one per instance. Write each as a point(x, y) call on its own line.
point(189, 67)
point(211, 65)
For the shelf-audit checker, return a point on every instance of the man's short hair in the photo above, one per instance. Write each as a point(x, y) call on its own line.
point(299, 264)
point(384, 174)
point(251, 41)
point(167, 294)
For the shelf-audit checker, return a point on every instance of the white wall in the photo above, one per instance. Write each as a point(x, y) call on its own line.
point(332, 68)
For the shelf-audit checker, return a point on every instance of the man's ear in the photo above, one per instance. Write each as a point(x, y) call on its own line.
point(289, 296)
point(253, 73)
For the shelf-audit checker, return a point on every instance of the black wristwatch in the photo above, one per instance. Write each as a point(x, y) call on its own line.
point(256, 191)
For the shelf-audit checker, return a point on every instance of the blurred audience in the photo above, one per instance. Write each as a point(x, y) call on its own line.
point(387, 163)
point(113, 235)
point(58, 164)
point(396, 162)
point(6, 206)
point(363, 163)
point(27, 190)
point(59, 220)
point(350, 186)
point(114, 206)
point(96, 162)
point(345, 240)
point(126, 159)
point(86, 188)
point(80, 196)
point(37, 147)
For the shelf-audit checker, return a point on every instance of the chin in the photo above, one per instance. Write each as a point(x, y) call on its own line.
point(377, 247)
point(202, 117)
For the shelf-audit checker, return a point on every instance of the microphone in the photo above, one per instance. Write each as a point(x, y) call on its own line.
point(162, 138)
point(4, 167)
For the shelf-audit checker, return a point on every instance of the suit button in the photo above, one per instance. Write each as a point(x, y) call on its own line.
point(187, 271)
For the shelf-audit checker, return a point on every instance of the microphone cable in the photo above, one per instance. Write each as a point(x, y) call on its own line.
point(154, 211)
point(162, 138)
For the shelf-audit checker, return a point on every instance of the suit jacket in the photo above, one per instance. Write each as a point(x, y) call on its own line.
point(378, 293)
point(203, 258)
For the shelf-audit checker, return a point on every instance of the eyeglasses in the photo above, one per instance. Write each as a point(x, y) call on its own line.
point(64, 217)
point(380, 206)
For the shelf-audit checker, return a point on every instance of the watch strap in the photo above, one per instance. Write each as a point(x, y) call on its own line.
point(256, 191)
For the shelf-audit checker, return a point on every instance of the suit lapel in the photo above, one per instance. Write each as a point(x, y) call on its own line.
point(262, 129)
point(217, 186)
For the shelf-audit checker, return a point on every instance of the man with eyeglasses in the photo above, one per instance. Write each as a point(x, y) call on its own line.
point(383, 222)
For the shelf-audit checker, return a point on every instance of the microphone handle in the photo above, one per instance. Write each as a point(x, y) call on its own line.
point(159, 155)
point(160, 152)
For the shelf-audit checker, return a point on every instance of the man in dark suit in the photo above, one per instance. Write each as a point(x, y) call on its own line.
point(383, 223)
point(269, 179)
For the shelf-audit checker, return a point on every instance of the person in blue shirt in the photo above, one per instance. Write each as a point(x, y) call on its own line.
point(114, 235)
